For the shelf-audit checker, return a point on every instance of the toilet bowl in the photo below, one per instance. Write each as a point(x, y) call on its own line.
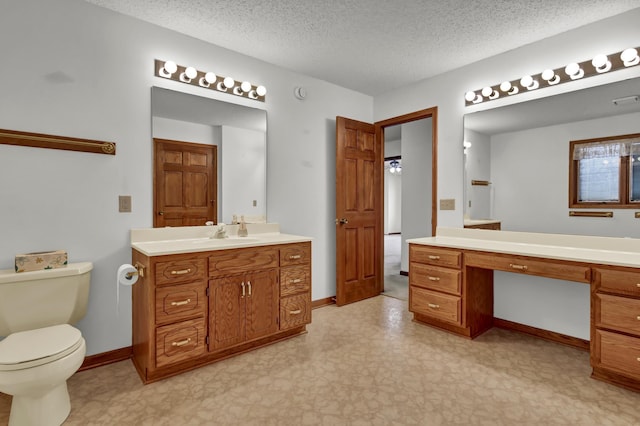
point(41, 349)
point(34, 368)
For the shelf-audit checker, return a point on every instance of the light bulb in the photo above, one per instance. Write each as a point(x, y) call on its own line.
point(529, 83)
point(550, 77)
point(574, 71)
point(505, 86)
point(168, 69)
point(630, 57)
point(245, 86)
point(470, 96)
point(261, 90)
point(229, 82)
point(190, 72)
point(487, 91)
point(210, 77)
point(601, 63)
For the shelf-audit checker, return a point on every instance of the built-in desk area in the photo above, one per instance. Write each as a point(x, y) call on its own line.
point(451, 287)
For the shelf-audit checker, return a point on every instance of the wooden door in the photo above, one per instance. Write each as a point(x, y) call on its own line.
point(359, 209)
point(185, 183)
point(226, 312)
point(262, 307)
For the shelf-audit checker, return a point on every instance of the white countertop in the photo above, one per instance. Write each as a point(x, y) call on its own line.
point(578, 248)
point(193, 239)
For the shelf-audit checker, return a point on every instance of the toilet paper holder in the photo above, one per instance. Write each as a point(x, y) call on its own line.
point(138, 272)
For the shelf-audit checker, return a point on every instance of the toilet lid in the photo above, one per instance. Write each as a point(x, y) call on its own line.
point(27, 349)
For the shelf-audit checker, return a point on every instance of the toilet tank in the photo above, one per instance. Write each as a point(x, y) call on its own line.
point(36, 299)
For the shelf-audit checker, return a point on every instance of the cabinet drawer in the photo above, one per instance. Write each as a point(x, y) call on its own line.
point(239, 261)
point(435, 278)
point(180, 271)
point(530, 266)
point(434, 256)
point(180, 342)
point(295, 279)
point(617, 313)
point(622, 282)
point(295, 311)
point(442, 306)
point(295, 254)
point(618, 352)
point(178, 302)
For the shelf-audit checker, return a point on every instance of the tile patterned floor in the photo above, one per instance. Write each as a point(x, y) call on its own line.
point(364, 364)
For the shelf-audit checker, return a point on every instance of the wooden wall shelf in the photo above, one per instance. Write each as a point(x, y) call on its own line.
point(39, 140)
point(590, 214)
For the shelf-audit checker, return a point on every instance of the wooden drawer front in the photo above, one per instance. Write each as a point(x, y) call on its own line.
point(434, 256)
point(437, 305)
point(295, 254)
point(435, 278)
point(530, 266)
point(622, 282)
point(242, 260)
point(618, 352)
point(180, 271)
point(618, 313)
point(295, 311)
point(174, 303)
point(295, 279)
point(180, 342)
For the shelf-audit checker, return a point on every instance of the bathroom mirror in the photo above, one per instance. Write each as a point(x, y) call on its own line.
point(517, 156)
point(239, 132)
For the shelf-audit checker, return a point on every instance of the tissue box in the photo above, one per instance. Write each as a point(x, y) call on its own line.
point(41, 260)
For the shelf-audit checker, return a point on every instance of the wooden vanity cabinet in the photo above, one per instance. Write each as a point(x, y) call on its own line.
point(615, 326)
point(196, 308)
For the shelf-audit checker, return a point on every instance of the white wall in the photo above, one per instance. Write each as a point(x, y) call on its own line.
point(447, 91)
point(416, 183)
point(243, 173)
point(530, 175)
point(477, 166)
point(74, 69)
point(392, 203)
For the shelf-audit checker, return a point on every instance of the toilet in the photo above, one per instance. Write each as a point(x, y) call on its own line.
point(41, 349)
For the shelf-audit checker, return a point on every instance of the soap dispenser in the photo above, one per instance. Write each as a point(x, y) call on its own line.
point(242, 228)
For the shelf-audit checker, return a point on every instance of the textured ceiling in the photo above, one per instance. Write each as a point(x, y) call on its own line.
point(370, 46)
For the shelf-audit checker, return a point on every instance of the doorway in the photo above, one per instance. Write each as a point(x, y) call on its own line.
point(409, 194)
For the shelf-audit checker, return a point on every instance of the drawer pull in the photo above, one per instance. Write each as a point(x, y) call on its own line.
point(638, 317)
point(434, 278)
point(244, 293)
point(296, 281)
point(182, 342)
point(249, 285)
point(519, 267)
point(180, 303)
point(181, 271)
point(295, 256)
point(638, 285)
point(296, 312)
point(434, 306)
point(432, 257)
point(638, 359)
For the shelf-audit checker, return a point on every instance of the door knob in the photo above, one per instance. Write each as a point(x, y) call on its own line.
point(161, 213)
point(342, 221)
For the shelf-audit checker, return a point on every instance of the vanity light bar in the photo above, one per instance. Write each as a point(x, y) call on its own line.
point(600, 64)
point(208, 80)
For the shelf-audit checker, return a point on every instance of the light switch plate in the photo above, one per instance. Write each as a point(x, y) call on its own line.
point(124, 203)
point(448, 204)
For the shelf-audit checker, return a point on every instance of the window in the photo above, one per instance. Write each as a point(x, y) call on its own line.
point(605, 172)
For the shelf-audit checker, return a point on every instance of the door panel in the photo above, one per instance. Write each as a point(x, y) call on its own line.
point(262, 303)
point(358, 211)
point(226, 312)
point(185, 183)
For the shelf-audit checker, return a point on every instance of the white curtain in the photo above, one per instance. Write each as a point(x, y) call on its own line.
point(606, 149)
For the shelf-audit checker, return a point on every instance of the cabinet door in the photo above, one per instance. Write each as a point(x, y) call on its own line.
point(261, 303)
point(226, 312)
